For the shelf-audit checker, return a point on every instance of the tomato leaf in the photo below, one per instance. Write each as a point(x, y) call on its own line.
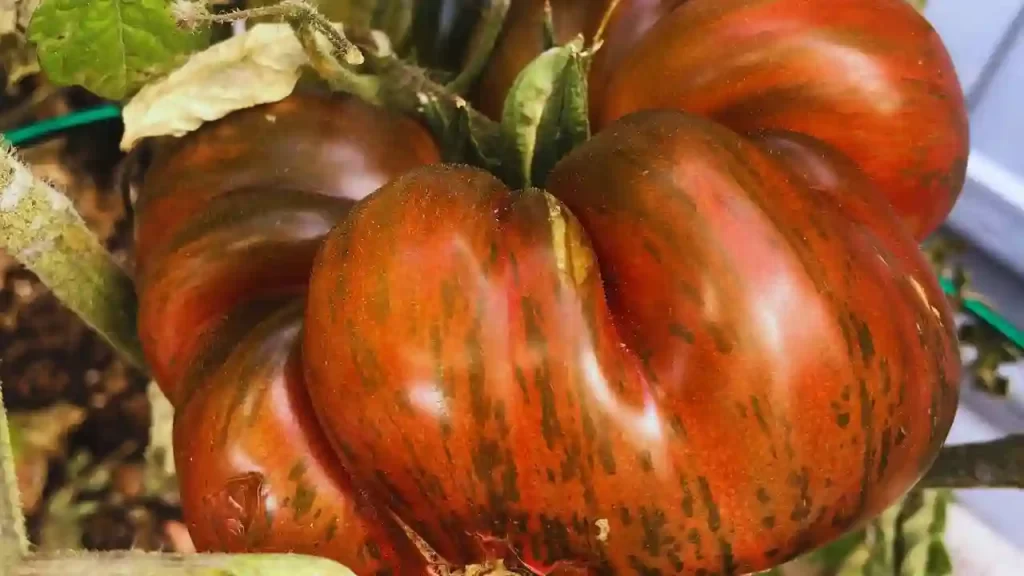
point(905, 540)
point(922, 527)
point(545, 113)
point(918, 4)
point(874, 554)
point(354, 13)
point(463, 138)
point(263, 65)
point(109, 47)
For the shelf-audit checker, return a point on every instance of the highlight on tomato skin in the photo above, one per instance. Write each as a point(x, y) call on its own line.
point(229, 219)
point(872, 79)
point(682, 333)
point(236, 208)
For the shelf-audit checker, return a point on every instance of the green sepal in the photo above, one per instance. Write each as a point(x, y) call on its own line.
point(465, 137)
point(545, 113)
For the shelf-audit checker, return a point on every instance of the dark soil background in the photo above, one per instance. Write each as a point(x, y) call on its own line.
point(82, 412)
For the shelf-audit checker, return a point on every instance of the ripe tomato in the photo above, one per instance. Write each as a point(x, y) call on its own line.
point(207, 234)
point(684, 340)
point(708, 346)
point(228, 222)
point(871, 79)
point(522, 40)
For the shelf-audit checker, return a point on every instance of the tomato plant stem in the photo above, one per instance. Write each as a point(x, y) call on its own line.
point(40, 228)
point(72, 563)
point(994, 464)
point(13, 541)
point(488, 32)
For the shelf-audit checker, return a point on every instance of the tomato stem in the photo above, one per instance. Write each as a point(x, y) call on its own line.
point(993, 464)
point(13, 538)
point(40, 227)
point(488, 31)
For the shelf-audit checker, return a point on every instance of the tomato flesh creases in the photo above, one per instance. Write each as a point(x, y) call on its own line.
point(228, 223)
point(605, 350)
point(709, 345)
point(663, 341)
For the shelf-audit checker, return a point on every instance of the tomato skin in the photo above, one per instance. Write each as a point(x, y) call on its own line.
point(242, 173)
point(627, 25)
point(228, 223)
point(871, 79)
point(255, 469)
point(694, 343)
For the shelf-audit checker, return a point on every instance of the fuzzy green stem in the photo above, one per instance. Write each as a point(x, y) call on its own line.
point(40, 228)
point(13, 541)
point(340, 78)
point(154, 564)
point(298, 11)
point(391, 82)
point(605, 19)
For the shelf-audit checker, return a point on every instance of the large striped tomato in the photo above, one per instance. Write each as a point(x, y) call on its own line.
point(709, 345)
point(687, 341)
point(870, 78)
point(227, 225)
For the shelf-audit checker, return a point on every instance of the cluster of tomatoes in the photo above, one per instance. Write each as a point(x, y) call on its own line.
point(710, 344)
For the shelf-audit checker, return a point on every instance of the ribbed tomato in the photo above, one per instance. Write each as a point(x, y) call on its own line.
point(708, 346)
point(872, 79)
point(686, 340)
point(228, 223)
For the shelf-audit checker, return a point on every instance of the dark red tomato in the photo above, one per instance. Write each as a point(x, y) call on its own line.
point(687, 346)
point(522, 40)
point(872, 79)
point(708, 347)
point(238, 210)
point(228, 223)
point(256, 472)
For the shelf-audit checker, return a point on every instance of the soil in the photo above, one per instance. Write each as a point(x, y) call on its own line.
point(84, 412)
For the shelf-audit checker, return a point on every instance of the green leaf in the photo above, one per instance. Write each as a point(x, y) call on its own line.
point(875, 554)
point(109, 47)
point(922, 528)
point(831, 557)
point(905, 540)
point(464, 137)
point(918, 4)
point(545, 113)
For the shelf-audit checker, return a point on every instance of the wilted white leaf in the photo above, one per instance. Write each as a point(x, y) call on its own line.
point(257, 67)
